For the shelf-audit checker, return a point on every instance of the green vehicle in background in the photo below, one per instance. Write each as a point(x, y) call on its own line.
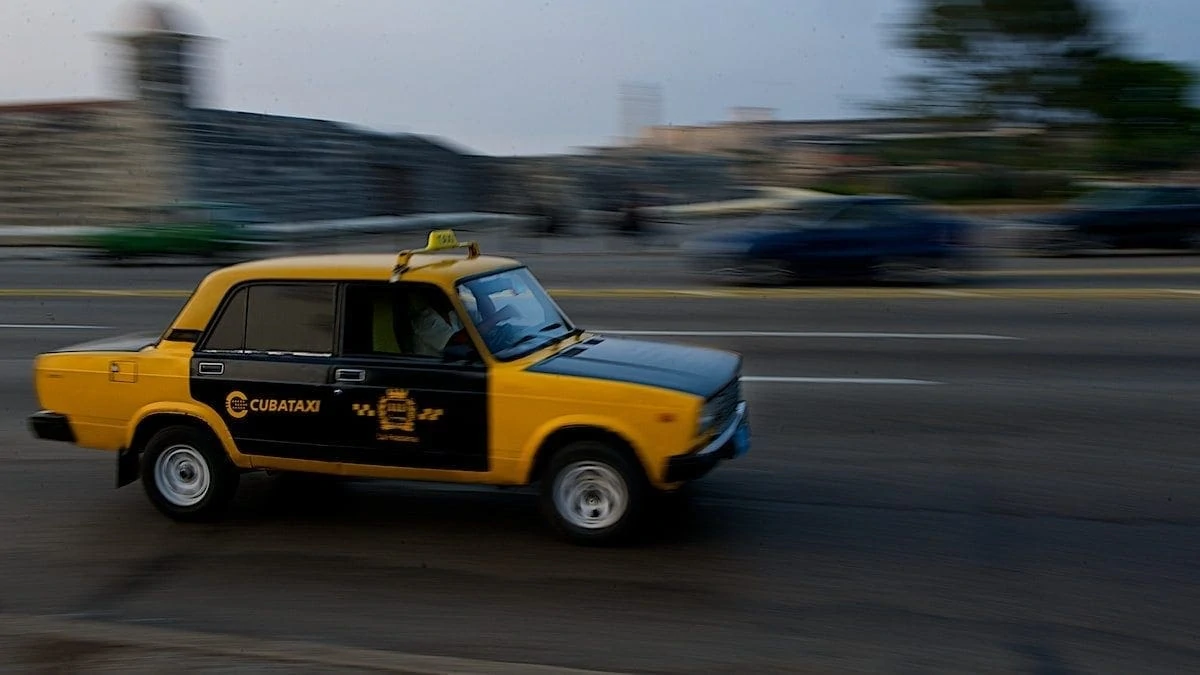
point(208, 230)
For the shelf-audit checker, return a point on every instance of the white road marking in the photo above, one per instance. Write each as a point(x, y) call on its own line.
point(807, 334)
point(834, 380)
point(42, 326)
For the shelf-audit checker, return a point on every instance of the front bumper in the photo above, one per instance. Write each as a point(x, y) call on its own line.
point(51, 426)
point(731, 443)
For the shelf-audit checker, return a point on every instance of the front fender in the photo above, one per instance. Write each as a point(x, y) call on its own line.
point(195, 411)
point(636, 439)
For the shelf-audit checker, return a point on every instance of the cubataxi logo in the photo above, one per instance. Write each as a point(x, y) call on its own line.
point(238, 405)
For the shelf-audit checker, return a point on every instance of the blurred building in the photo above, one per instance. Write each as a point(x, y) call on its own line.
point(810, 145)
point(604, 179)
point(85, 162)
point(641, 107)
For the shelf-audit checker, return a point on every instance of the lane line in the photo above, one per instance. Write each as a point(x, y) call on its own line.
point(728, 293)
point(93, 292)
point(797, 294)
point(1091, 272)
point(166, 640)
point(63, 326)
point(835, 380)
point(806, 334)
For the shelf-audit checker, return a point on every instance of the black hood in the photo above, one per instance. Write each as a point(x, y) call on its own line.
point(692, 370)
point(122, 343)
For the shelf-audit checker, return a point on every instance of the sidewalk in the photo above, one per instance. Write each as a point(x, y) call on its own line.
point(332, 229)
point(70, 236)
point(583, 239)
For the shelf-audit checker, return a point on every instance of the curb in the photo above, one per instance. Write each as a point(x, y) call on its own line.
point(128, 635)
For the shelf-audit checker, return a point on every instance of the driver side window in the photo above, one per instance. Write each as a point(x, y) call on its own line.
point(406, 320)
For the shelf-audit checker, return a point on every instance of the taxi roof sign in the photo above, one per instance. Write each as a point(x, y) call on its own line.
point(439, 240)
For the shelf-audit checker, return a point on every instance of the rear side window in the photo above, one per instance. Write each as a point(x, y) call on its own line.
point(291, 318)
point(228, 334)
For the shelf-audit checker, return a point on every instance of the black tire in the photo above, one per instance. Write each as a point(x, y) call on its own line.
point(194, 454)
point(616, 483)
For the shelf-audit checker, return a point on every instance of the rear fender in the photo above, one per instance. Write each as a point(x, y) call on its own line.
point(199, 412)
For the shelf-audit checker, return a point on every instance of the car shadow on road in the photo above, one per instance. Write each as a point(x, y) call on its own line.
point(416, 509)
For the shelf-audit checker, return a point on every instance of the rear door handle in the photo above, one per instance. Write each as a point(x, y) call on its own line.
point(210, 368)
point(349, 375)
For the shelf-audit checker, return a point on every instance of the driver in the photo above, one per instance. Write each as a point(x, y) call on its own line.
point(485, 315)
point(432, 330)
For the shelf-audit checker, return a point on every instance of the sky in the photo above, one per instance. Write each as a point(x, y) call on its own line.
point(507, 77)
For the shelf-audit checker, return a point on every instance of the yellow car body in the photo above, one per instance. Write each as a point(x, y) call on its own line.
point(485, 411)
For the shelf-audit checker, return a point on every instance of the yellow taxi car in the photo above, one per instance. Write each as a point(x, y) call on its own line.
point(430, 365)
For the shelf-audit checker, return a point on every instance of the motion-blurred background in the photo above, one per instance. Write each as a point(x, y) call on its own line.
point(953, 240)
point(1023, 122)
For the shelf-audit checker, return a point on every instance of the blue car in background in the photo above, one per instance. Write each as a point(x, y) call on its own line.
point(868, 238)
point(1116, 217)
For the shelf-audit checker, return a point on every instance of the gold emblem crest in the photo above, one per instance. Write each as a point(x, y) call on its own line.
point(396, 411)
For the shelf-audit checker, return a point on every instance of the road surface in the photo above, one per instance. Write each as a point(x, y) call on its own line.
point(938, 484)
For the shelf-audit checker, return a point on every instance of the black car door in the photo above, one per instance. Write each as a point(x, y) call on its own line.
point(394, 406)
point(264, 365)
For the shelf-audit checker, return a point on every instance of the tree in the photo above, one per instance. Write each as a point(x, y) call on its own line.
point(1002, 59)
point(1145, 111)
point(1049, 62)
point(1131, 94)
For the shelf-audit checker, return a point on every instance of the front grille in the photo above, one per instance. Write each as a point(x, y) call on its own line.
point(725, 403)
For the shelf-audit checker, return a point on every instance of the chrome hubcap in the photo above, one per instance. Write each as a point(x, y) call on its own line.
point(590, 495)
point(182, 475)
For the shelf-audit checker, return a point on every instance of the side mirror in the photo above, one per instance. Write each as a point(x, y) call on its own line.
point(461, 353)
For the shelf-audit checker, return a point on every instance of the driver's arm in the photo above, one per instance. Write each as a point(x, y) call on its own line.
point(507, 312)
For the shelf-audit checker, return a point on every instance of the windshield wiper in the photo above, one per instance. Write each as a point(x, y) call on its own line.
point(520, 341)
point(532, 336)
point(574, 332)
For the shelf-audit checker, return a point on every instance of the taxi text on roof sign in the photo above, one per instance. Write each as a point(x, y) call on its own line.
point(439, 240)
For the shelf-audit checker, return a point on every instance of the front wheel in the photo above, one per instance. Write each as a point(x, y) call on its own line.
point(593, 494)
point(187, 476)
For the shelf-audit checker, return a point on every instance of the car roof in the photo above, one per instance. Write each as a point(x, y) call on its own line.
point(431, 267)
point(829, 200)
point(877, 199)
point(443, 269)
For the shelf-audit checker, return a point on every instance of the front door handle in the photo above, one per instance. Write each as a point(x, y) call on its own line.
point(349, 375)
point(210, 368)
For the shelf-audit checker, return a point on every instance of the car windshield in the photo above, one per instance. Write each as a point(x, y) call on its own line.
point(816, 213)
point(513, 313)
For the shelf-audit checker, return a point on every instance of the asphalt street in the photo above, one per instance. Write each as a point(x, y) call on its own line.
point(939, 483)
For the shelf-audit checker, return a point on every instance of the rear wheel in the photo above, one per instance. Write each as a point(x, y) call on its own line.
point(593, 494)
point(187, 475)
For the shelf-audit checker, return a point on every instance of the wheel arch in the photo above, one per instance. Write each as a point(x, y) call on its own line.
point(152, 419)
point(563, 436)
point(156, 422)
